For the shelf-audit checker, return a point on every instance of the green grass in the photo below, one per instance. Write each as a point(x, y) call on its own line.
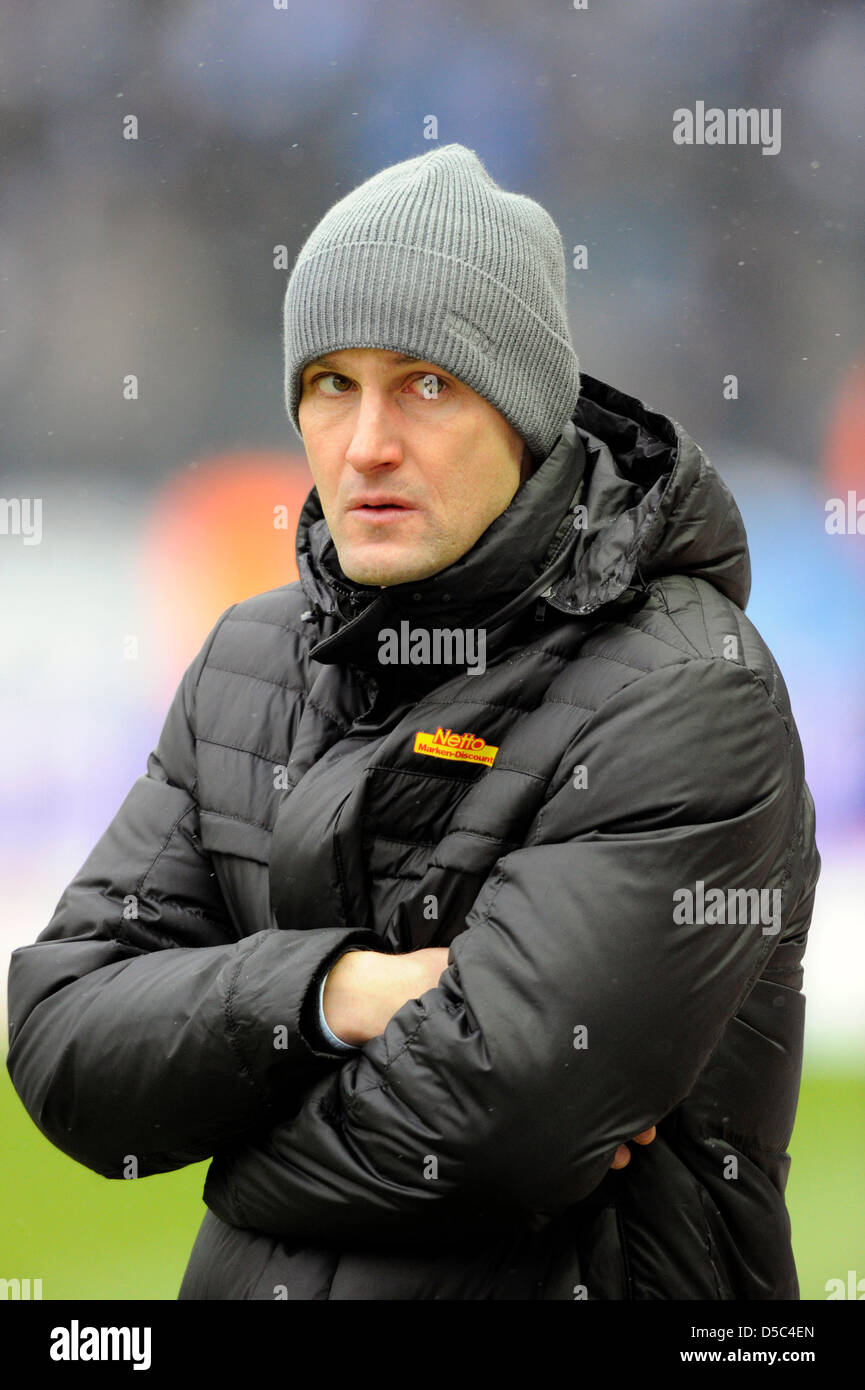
point(88, 1237)
point(826, 1186)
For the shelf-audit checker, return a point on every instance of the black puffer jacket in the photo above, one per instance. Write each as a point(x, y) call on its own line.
point(168, 1011)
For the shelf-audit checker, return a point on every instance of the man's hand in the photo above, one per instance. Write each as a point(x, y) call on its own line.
point(366, 988)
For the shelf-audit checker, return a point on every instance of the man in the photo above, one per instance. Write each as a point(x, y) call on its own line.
point(478, 852)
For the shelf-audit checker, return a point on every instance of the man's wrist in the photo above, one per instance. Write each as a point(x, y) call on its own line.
point(362, 995)
point(327, 1032)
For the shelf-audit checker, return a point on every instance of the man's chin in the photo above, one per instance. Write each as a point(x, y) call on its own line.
point(385, 572)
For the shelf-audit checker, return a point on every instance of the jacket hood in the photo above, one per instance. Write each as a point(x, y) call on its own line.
point(624, 496)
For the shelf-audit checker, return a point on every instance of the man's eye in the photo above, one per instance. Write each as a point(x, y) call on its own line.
point(333, 376)
point(430, 385)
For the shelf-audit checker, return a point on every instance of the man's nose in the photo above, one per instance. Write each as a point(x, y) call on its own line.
point(375, 437)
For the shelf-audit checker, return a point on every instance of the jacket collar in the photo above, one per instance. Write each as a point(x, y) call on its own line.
point(654, 505)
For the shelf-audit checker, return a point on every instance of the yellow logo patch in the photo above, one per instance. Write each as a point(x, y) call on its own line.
point(461, 748)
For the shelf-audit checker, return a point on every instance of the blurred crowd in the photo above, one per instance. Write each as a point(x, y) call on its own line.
point(154, 256)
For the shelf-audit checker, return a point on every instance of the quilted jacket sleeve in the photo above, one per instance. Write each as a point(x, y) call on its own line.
point(139, 1025)
point(580, 1003)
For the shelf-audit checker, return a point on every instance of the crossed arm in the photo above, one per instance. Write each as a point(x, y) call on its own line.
point(364, 989)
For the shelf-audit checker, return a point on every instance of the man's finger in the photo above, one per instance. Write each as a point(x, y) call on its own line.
point(646, 1137)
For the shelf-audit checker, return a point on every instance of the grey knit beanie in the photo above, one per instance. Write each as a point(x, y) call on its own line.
point(431, 257)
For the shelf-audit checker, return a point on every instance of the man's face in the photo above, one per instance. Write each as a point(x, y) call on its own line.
point(379, 426)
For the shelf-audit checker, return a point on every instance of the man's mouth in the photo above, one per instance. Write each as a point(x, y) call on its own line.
point(381, 510)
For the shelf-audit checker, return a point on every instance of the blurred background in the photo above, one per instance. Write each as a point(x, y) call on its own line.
point(141, 368)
